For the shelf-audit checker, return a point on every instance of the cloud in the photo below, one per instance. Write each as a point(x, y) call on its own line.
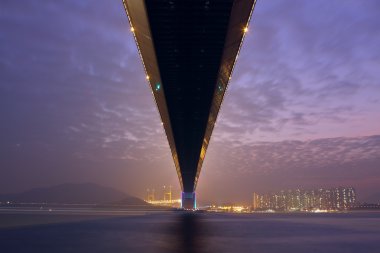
point(303, 77)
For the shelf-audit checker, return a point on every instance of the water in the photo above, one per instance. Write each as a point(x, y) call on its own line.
point(88, 231)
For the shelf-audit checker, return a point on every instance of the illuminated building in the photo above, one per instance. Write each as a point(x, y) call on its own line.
point(255, 201)
point(341, 198)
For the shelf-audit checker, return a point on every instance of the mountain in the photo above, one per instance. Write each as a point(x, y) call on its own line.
point(88, 193)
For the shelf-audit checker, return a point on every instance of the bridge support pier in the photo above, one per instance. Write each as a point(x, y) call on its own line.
point(189, 200)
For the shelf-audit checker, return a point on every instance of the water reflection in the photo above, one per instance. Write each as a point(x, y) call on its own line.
point(187, 234)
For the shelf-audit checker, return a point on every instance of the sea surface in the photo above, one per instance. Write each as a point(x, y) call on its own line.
point(81, 230)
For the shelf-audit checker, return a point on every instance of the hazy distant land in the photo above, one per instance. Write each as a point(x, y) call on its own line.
point(73, 195)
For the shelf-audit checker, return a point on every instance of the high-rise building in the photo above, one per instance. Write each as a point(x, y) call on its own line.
point(255, 201)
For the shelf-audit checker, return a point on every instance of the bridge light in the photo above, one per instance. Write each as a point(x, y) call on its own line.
point(245, 29)
point(132, 29)
point(147, 77)
point(220, 86)
point(158, 86)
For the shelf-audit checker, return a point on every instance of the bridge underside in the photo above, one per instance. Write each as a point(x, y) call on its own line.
point(189, 50)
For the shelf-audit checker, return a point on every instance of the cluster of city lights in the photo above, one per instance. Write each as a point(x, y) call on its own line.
point(229, 209)
point(341, 198)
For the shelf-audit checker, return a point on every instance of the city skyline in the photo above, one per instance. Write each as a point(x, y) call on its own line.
point(301, 108)
point(338, 198)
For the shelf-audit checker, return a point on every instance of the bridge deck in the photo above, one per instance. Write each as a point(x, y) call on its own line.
point(189, 49)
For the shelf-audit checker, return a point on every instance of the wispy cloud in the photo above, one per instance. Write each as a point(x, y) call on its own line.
point(300, 76)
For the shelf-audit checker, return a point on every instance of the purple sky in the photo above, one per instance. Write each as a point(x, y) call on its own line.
point(302, 108)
